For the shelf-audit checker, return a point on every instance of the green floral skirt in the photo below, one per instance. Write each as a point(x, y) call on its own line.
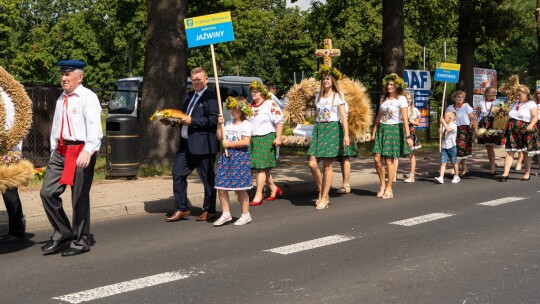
point(262, 151)
point(327, 141)
point(390, 141)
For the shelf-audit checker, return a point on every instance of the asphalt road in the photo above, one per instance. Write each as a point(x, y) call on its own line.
point(353, 252)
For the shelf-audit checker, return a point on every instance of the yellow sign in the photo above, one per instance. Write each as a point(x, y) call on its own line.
point(207, 20)
point(448, 66)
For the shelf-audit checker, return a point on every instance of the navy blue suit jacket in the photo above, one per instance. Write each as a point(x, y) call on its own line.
point(202, 139)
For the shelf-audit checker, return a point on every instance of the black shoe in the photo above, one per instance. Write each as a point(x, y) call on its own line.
point(47, 244)
point(503, 178)
point(57, 247)
point(10, 238)
point(73, 251)
point(526, 179)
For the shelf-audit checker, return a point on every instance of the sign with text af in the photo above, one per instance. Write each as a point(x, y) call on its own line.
point(209, 29)
point(447, 72)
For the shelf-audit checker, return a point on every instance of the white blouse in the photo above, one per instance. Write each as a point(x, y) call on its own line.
point(462, 114)
point(265, 118)
point(235, 132)
point(328, 107)
point(522, 111)
point(391, 110)
point(486, 106)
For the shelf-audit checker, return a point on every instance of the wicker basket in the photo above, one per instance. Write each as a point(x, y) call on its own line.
point(500, 122)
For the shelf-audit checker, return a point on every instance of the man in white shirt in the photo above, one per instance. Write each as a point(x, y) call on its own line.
point(75, 140)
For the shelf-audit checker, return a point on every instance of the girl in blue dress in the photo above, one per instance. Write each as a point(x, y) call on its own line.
point(233, 169)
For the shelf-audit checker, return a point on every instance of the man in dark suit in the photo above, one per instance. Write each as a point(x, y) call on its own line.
point(198, 148)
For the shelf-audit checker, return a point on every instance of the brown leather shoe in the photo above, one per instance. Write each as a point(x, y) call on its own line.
point(177, 215)
point(206, 216)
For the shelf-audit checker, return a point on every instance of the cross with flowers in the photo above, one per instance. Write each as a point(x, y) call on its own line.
point(328, 52)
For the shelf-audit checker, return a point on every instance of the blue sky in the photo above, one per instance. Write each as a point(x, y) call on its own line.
point(303, 4)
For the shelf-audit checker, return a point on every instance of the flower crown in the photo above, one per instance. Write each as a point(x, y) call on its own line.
point(326, 70)
point(255, 85)
point(243, 106)
point(400, 83)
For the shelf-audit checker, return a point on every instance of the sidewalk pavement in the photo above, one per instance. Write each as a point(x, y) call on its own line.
point(115, 198)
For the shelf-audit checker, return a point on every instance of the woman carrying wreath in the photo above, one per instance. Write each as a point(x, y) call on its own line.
point(267, 122)
point(391, 132)
point(331, 130)
point(490, 138)
point(521, 133)
point(464, 119)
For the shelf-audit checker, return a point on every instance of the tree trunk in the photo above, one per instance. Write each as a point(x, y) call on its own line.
point(392, 40)
point(164, 78)
point(537, 14)
point(466, 45)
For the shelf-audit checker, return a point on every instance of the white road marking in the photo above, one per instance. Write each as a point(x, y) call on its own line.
point(502, 201)
point(114, 289)
point(316, 243)
point(422, 219)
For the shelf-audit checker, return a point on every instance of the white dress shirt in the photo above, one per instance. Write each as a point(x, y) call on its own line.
point(191, 105)
point(84, 115)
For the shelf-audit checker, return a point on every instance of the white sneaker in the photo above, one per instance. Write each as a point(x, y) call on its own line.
point(243, 220)
point(222, 220)
point(456, 179)
point(440, 179)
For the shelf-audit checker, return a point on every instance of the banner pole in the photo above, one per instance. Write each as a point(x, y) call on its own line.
point(217, 91)
point(442, 113)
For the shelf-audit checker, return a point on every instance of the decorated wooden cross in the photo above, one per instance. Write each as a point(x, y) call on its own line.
point(328, 52)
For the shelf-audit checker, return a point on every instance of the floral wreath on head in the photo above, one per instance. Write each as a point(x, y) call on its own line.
point(255, 85)
point(326, 70)
point(233, 103)
point(399, 82)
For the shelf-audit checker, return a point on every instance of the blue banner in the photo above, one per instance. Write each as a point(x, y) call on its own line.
point(209, 29)
point(419, 85)
point(447, 72)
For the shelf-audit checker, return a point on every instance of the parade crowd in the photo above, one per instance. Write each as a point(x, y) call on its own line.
point(246, 147)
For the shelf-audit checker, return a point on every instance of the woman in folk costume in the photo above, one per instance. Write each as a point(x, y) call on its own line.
point(521, 133)
point(391, 132)
point(331, 131)
point(465, 118)
point(485, 121)
point(232, 173)
point(267, 122)
point(414, 120)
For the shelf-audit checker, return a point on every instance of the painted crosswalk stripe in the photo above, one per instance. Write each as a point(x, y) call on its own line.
point(422, 219)
point(502, 201)
point(316, 243)
point(114, 289)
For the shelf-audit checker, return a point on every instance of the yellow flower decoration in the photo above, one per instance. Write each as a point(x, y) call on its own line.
point(255, 85)
point(233, 103)
point(326, 70)
point(400, 83)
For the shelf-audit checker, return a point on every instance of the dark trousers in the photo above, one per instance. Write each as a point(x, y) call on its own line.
point(184, 164)
point(15, 213)
point(50, 193)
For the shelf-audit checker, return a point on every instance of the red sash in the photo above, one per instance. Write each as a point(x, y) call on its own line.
point(70, 153)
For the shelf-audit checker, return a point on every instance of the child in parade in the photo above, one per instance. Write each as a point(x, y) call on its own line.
point(448, 146)
point(233, 172)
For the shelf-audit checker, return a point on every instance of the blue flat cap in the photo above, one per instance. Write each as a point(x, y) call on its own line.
point(70, 65)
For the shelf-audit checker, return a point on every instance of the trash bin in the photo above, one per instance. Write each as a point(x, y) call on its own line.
point(122, 140)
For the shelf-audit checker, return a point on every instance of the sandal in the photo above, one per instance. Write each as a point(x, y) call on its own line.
point(409, 180)
point(388, 194)
point(323, 203)
point(344, 190)
point(380, 194)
